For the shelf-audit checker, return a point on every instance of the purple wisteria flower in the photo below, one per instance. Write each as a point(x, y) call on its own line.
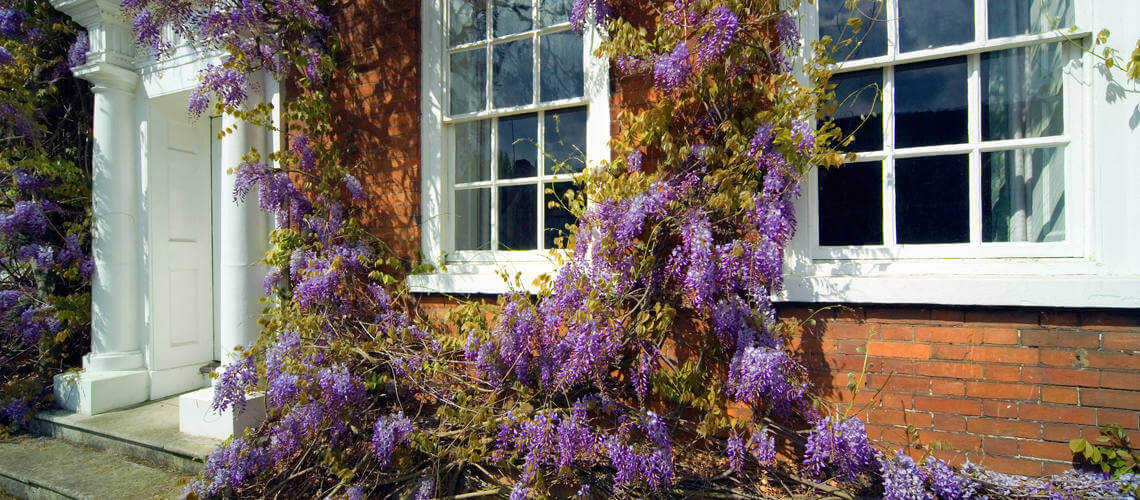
point(842, 447)
point(389, 432)
point(902, 479)
point(340, 388)
point(426, 491)
point(228, 84)
point(579, 13)
point(231, 465)
point(946, 483)
point(12, 23)
point(763, 447)
point(354, 188)
point(633, 161)
point(239, 376)
point(5, 57)
point(760, 374)
point(77, 53)
point(302, 146)
point(805, 145)
point(735, 452)
point(671, 70)
point(721, 25)
point(27, 218)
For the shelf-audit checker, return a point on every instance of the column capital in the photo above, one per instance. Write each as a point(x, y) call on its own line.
point(112, 40)
point(104, 75)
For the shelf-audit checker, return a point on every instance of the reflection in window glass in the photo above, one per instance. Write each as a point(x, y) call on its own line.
point(1023, 195)
point(518, 146)
point(513, 73)
point(851, 204)
point(512, 16)
point(557, 214)
point(468, 21)
point(1023, 17)
point(926, 24)
point(859, 96)
point(565, 141)
point(518, 216)
point(1022, 92)
point(468, 81)
point(562, 75)
point(932, 204)
point(473, 151)
point(870, 41)
point(930, 103)
point(473, 219)
point(553, 12)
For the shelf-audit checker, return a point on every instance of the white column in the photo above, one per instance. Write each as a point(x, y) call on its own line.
point(244, 240)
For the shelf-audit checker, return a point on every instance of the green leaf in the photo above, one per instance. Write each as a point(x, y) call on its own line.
point(1078, 445)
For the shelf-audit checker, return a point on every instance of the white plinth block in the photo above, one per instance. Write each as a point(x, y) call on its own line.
point(196, 417)
point(91, 392)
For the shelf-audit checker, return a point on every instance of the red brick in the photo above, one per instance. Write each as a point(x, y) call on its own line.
point(1127, 400)
point(1016, 355)
point(898, 417)
point(1001, 317)
point(1060, 432)
point(998, 427)
point(954, 440)
point(947, 387)
point(1060, 338)
point(904, 314)
point(948, 316)
point(1103, 320)
point(899, 350)
point(957, 352)
point(895, 332)
point(1049, 451)
point(1059, 319)
point(1056, 413)
point(1060, 376)
point(1120, 380)
point(901, 383)
point(994, 390)
point(1125, 419)
point(858, 331)
point(999, 409)
point(948, 405)
point(1054, 357)
point(1006, 336)
point(946, 334)
point(1003, 373)
point(1020, 466)
point(1120, 341)
point(948, 423)
point(1064, 395)
point(1114, 361)
point(1055, 468)
point(948, 369)
point(1002, 446)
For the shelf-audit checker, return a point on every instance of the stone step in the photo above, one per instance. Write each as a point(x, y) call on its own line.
point(36, 467)
point(147, 432)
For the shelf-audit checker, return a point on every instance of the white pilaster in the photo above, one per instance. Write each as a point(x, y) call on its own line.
point(114, 373)
point(244, 239)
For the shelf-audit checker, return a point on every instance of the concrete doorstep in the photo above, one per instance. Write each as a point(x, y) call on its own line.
point(46, 468)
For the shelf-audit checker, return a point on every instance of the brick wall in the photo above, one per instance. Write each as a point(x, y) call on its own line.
point(1004, 387)
point(376, 109)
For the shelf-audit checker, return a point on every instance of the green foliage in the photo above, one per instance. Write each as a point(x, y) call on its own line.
point(1114, 455)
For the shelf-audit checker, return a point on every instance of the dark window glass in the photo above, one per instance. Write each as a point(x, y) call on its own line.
point(518, 215)
point(512, 16)
point(859, 96)
point(1023, 195)
point(562, 75)
point(468, 81)
point(473, 151)
point(930, 103)
point(518, 146)
point(932, 204)
point(926, 24)
point(473, 219)
point(1023, 17)
point(851, 204)
point(557, 215)
point(513, 73)
point(553, 12)
point(1022, 92)
point(869, 41)
point(565, 141)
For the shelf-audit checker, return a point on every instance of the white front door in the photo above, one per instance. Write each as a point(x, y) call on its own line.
point(182, 182)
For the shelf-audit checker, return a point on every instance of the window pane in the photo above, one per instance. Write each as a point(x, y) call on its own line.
point(554, 12)
point(473, 151)
point(473, 219)
point(859, 96)
point(1022, 92)
point(562, 76)
point(1023, 17)
point(514, 73)
point(468, 21)
point(565, 141)
point(513, 16)
point(930, 103)
point(468, 81)
point(557, 215)
point(518, 146)
point(851, 204)
point(924, 24)
point(931, 200)
point(518, 215)
point(870, 41)
point(1023, 195)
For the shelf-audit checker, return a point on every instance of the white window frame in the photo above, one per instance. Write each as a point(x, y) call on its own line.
point(1090, 268)
point(472, 271)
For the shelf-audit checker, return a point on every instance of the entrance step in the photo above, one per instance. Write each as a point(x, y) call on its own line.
point(45, 468)
point(147, 432)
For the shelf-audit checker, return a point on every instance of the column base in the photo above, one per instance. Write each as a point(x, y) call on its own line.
point(114, 361)
point(195, 416)
point(93, 392)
